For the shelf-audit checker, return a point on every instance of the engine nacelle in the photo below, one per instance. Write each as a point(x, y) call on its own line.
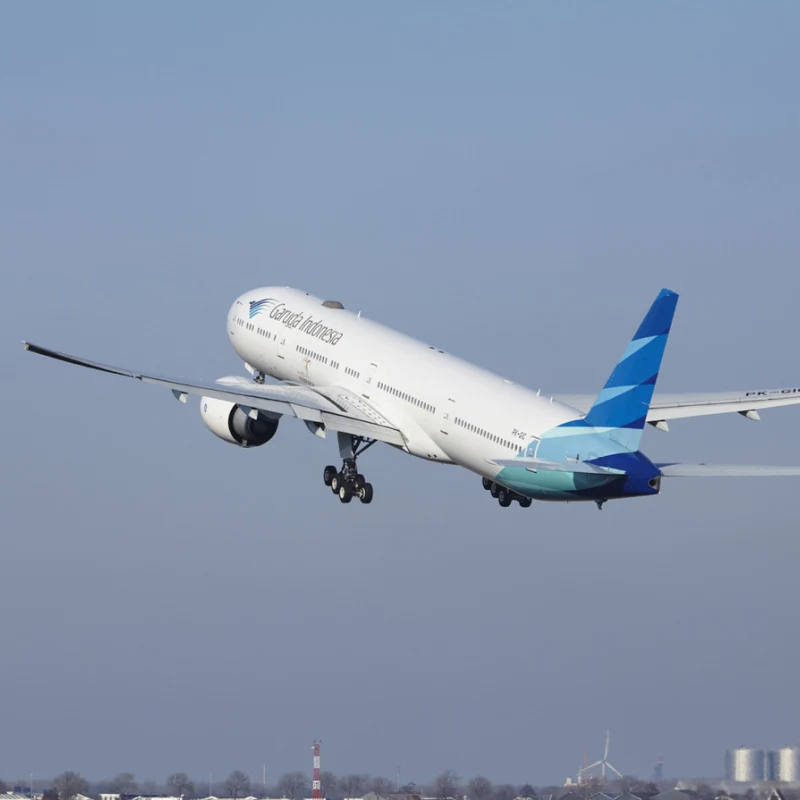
point(231, 423)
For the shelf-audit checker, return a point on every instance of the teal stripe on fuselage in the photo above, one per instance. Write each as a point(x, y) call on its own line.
point(548, 485)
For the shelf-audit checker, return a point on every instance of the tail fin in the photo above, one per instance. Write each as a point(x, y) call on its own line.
point(621, 408)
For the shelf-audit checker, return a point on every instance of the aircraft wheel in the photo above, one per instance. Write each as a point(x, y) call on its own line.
point(345, 495)
point(337, 481)
point(504, 497)
point(360, 481)
point(328, 475)
point(487, 484)
point(494, 489)
point(525, 502)
point(366, 493)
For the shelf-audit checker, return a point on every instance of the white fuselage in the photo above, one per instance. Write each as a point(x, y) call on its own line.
point(448, 409)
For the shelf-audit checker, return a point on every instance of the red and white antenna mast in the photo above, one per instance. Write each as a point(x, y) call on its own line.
point(316, 787)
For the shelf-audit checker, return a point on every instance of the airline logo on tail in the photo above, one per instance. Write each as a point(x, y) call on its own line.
point(620, 409)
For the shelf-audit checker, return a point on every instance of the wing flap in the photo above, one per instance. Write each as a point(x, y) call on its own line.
point(676, 470)
point(338, 409)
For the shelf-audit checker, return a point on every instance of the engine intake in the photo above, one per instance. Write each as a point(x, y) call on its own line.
point(232, 423)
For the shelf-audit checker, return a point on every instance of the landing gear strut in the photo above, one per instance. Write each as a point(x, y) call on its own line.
point(348, 482)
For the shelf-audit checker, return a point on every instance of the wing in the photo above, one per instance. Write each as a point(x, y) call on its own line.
point(336, 408)
point(678, 406)
point(674, 470)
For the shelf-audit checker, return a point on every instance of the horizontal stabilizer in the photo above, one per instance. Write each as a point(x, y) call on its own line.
point(535, 464)
point(681, 406)
point(674, 470)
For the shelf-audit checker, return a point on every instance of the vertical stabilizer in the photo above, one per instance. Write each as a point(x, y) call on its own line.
point(620, 410)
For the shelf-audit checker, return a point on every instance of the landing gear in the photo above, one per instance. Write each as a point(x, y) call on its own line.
point(345, 493)
point(348, 482)
point(505, 496)
point(366, 496)
point(600, 504)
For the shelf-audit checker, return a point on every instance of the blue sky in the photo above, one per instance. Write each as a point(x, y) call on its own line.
point(514, 182)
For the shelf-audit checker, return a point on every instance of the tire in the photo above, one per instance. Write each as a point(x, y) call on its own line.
point(494, 489)
point(525, 502)
point(345, 495)
point(360, 481)
point(366, 493)
point(337, 482)
point(487, 484)
point(504, 497)
point(328, 474)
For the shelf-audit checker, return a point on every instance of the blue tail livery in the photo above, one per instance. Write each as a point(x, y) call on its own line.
point(620, 410)
point(607, 438)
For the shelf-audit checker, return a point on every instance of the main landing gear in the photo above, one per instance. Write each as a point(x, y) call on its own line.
point(505, 496)
point(348, 482)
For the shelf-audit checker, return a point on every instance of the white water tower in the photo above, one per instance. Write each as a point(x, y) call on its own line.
point(745, 765)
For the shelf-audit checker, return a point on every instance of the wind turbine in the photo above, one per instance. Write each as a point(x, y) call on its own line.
point(604, 762)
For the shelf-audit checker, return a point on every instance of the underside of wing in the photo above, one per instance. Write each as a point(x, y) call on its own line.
point(678, 406)
point(334, 408)
point(675, 470)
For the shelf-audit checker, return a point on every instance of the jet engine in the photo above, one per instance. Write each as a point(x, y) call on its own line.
point(232, 423)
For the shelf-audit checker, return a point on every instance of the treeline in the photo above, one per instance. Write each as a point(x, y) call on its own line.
point(297, 785)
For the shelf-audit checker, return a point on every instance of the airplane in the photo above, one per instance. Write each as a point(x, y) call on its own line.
point(343, 374)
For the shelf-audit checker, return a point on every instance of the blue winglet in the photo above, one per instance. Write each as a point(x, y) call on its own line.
point(621, 407)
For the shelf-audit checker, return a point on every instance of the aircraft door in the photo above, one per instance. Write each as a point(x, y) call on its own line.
point(371, 372)
point(448, 415)
point(281, 346)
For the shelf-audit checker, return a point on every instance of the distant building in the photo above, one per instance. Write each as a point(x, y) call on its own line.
point(676, 794)
point(745, 765)
point(117, 796)
point(210, 797)
point(391, 796)
point(784, 764)
point(614, 796)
